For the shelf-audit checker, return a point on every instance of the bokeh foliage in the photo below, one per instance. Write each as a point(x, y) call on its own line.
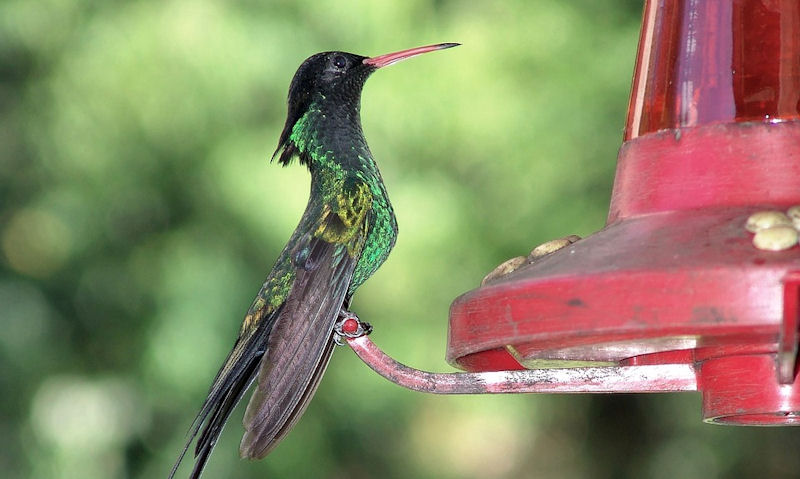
point(139, 214)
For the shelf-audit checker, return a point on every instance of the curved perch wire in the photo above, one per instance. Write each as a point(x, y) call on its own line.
point(606, 379)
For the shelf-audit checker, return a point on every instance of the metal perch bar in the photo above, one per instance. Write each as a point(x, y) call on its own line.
point(606, 379)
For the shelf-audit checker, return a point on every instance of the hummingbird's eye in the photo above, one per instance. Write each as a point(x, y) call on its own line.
point(339, 61)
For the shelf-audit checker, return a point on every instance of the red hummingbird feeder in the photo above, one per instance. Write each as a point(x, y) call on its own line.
point(672, 295)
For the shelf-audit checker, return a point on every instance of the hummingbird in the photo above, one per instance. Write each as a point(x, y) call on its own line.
point(345, 234)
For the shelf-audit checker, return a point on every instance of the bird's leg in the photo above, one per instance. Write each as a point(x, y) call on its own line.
point(348, 326)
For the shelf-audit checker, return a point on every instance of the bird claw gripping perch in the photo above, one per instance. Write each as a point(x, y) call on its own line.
point(348, 326)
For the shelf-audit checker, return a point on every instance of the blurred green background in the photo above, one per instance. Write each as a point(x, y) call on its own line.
point(139, 216)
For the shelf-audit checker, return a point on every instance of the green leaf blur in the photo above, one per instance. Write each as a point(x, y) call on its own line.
point(139, 216)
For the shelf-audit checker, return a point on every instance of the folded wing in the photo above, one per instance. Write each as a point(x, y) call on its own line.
point(288, 346)
point(301, 341)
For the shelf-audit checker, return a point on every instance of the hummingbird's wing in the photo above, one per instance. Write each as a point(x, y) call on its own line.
point(287, 346)
point(301, 341)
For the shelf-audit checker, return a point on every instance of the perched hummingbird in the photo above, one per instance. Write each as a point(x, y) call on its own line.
point(345, 234)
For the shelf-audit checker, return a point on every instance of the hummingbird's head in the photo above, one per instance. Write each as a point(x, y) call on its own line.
point(338, 75)
point(324, 77)
point(336, 78)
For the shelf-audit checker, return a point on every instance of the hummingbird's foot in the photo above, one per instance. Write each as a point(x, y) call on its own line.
point(348, 326)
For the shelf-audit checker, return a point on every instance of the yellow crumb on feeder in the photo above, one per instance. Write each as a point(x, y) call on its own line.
point(766, 219)
point(505, 268)
point(552, 246)
point(777, 238)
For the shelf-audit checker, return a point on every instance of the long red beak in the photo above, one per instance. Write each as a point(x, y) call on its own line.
point(390, 58)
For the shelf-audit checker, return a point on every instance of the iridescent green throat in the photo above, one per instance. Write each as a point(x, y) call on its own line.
point(331, 141)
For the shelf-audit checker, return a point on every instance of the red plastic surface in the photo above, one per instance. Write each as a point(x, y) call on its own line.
point(742, 390)
point(672, 279)
point(735, 164)
point(652, 283)
point(665, 286)
point(790, 333)
point(715, 61)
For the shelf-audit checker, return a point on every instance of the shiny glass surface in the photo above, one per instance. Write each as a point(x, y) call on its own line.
point(707, 61)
